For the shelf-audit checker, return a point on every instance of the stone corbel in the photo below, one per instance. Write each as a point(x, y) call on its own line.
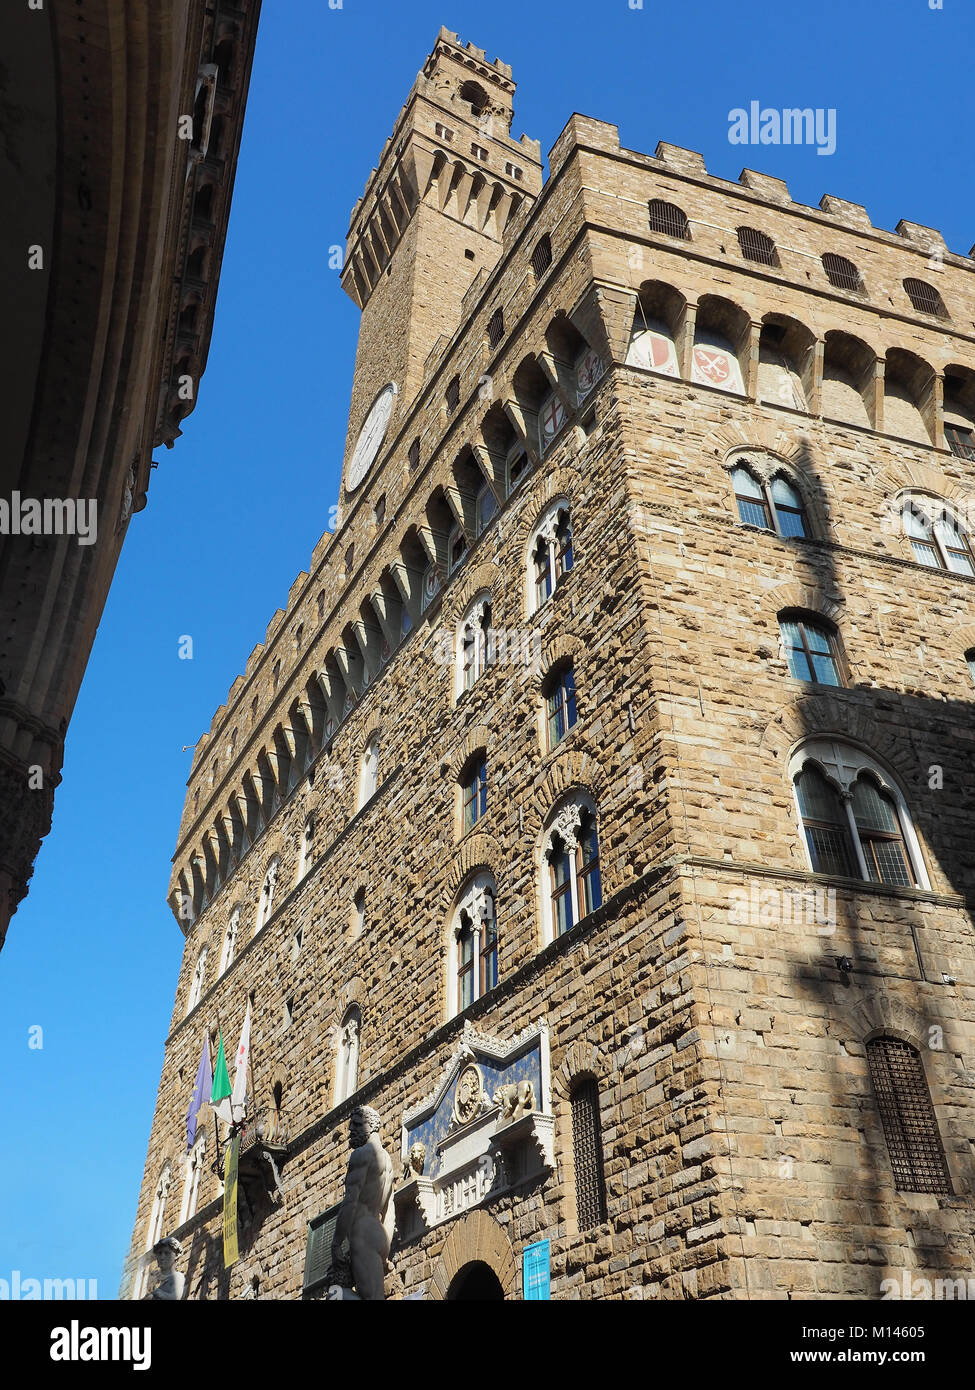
point(419, 1193)
point(534, 1128)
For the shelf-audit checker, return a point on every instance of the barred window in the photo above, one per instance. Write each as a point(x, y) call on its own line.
point(496, 327)
point(917, 1157)
point(841, 273)
point(756, 246)
point(925, 298)
point(541, 257)
point(413, 457)
point(452, 395)
point(669, 219)
point(826, 826)
point(856, 824)
point(587, 1154)
point(880, 834)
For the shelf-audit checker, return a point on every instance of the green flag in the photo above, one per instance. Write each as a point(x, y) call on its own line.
point(220, 1095)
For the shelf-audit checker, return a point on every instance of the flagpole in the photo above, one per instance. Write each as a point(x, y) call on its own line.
point(250, 1068)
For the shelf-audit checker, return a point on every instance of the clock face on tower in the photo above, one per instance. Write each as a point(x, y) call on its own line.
point(371, 436)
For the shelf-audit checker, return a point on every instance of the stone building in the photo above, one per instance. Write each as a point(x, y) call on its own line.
point(122, 124)
point(598, 808)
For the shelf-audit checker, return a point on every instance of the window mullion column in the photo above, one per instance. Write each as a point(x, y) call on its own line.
point(854, 831)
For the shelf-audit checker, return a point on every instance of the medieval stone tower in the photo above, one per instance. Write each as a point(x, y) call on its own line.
point(598, 810)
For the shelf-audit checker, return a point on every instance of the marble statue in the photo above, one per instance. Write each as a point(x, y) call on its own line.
point(415, 1161)
point(515, 1099)
point(366, 1216)
point(171, 1283)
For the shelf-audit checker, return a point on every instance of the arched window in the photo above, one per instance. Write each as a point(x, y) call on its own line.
point(551, 553)
point(196, 984)
point(452, 395)
point(917, 1157)
point(936, 537)
point(473, 652)
point(154, 1231)
point(811, 649)
point(473, 946)
point(775, 506)
point(541, 257)
point(668, 219)
point(229, 949)
point(970, 659)
point(560, 704)
point(266, 899)
point(841, 273)
point(571, 865)
point(473, 789)
point(587, 1154)
point(191, 1181)
point(347, 1070)
point(757, 246)
point(855, 820)
point(925, 298)
point(307, 847)
point(368, 772)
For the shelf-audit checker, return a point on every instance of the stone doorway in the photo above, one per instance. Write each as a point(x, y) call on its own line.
point(475, 1281)
point(476, 1242)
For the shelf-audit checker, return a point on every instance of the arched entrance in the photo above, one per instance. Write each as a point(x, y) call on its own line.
point(476, 1281)
point(476, 1248)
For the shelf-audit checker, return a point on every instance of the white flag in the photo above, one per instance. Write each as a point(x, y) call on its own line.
point(238, 1098)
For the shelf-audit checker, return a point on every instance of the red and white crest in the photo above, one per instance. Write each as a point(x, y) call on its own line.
point(653, 351)
point(714, 365)
point(552, 419)
point(589, 371)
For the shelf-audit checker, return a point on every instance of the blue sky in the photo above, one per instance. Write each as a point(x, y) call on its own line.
point(236, 508)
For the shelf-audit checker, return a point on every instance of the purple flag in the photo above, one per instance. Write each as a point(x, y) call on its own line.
point(200, 1094)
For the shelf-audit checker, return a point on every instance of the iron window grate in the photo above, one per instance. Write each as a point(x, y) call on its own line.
point(587, 1153)
point(496, 327)
point(756, 246)
point(453, 394)
point(668, 219)
point(542, 257)
point(841, 273)
point(917, 1157)
point(925, 298)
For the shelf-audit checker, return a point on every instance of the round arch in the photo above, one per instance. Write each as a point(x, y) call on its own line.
point(476, 1239)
